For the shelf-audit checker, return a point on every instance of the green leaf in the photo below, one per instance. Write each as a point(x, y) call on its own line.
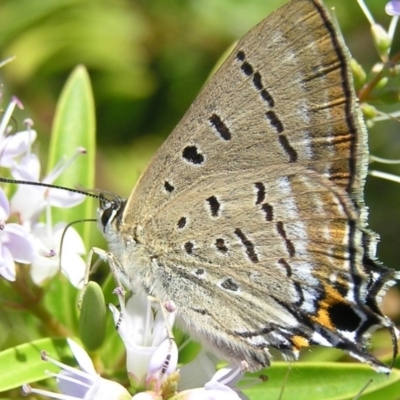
point(328, 381)
point(92, 319)
point(74, 127)
point(23, 364)
point(61, 300)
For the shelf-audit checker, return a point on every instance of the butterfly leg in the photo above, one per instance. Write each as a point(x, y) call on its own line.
point(167, 309)
point(90, 268)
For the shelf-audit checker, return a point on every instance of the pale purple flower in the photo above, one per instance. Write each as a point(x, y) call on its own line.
point(29, 201)
point(393, 8)
point(145, 337)
point(83, 383)
point(13, 145)
point(48, 262)
point(16, 244)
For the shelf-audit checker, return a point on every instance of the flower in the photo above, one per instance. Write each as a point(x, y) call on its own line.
point(83, 383)
point(50, 256)
point(28, 169)
point(15, 242)
point(145, 336)
point(151, 362)
point(151, 354)
point(393, 8)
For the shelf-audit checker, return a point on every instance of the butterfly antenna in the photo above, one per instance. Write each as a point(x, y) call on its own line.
point(65, 231)
point(48, 185)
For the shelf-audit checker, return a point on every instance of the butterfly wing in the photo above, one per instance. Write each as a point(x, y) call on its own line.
point(284, 95)
point(250, 216)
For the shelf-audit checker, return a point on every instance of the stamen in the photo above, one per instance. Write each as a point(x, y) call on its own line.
point(65, 367)
point(27, 389)
point(230, 376)
point(51, 253)
point(69, 379)
point(62, 165)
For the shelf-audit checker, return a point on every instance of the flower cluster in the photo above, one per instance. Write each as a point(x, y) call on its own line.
point(151, 362)
point(27, 240)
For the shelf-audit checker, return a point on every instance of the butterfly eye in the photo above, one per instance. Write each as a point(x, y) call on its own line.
point(107, 214)
point(110, 209)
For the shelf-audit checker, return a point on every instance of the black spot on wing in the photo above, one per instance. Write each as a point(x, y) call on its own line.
point(192, 155)
point(249, 246)
point(214, 206)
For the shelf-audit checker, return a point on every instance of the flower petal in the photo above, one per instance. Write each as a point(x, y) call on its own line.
point(83, 359)
point(229, 375)
point(4, 206)
point(108, 390)
point(74, 268)
point(15, 145)
point(166, 351)
point(43, 269)
point(19, 242)
point(27, 169)
point(7, 265)
point(72, 241)
point(72, 384)
point(28, 202)
point(64, 198)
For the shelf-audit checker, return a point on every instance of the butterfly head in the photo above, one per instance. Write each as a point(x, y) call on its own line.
point(109, 212)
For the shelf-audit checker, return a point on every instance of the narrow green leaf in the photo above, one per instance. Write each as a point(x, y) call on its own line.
point(74, 127)
point(328, 381)
point(23, 364)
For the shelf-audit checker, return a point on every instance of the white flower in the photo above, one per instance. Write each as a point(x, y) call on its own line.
point(83, 383)
point(15, 242)
point(146, 341)
point(47, 261)
point(29, 201)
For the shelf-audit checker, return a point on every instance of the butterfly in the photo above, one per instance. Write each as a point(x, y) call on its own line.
point(251, 217)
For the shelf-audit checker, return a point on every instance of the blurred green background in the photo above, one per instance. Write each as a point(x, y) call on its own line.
point(147, 60)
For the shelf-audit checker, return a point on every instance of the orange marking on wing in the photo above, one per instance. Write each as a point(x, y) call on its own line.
point(332, 296)
point(299, 342)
